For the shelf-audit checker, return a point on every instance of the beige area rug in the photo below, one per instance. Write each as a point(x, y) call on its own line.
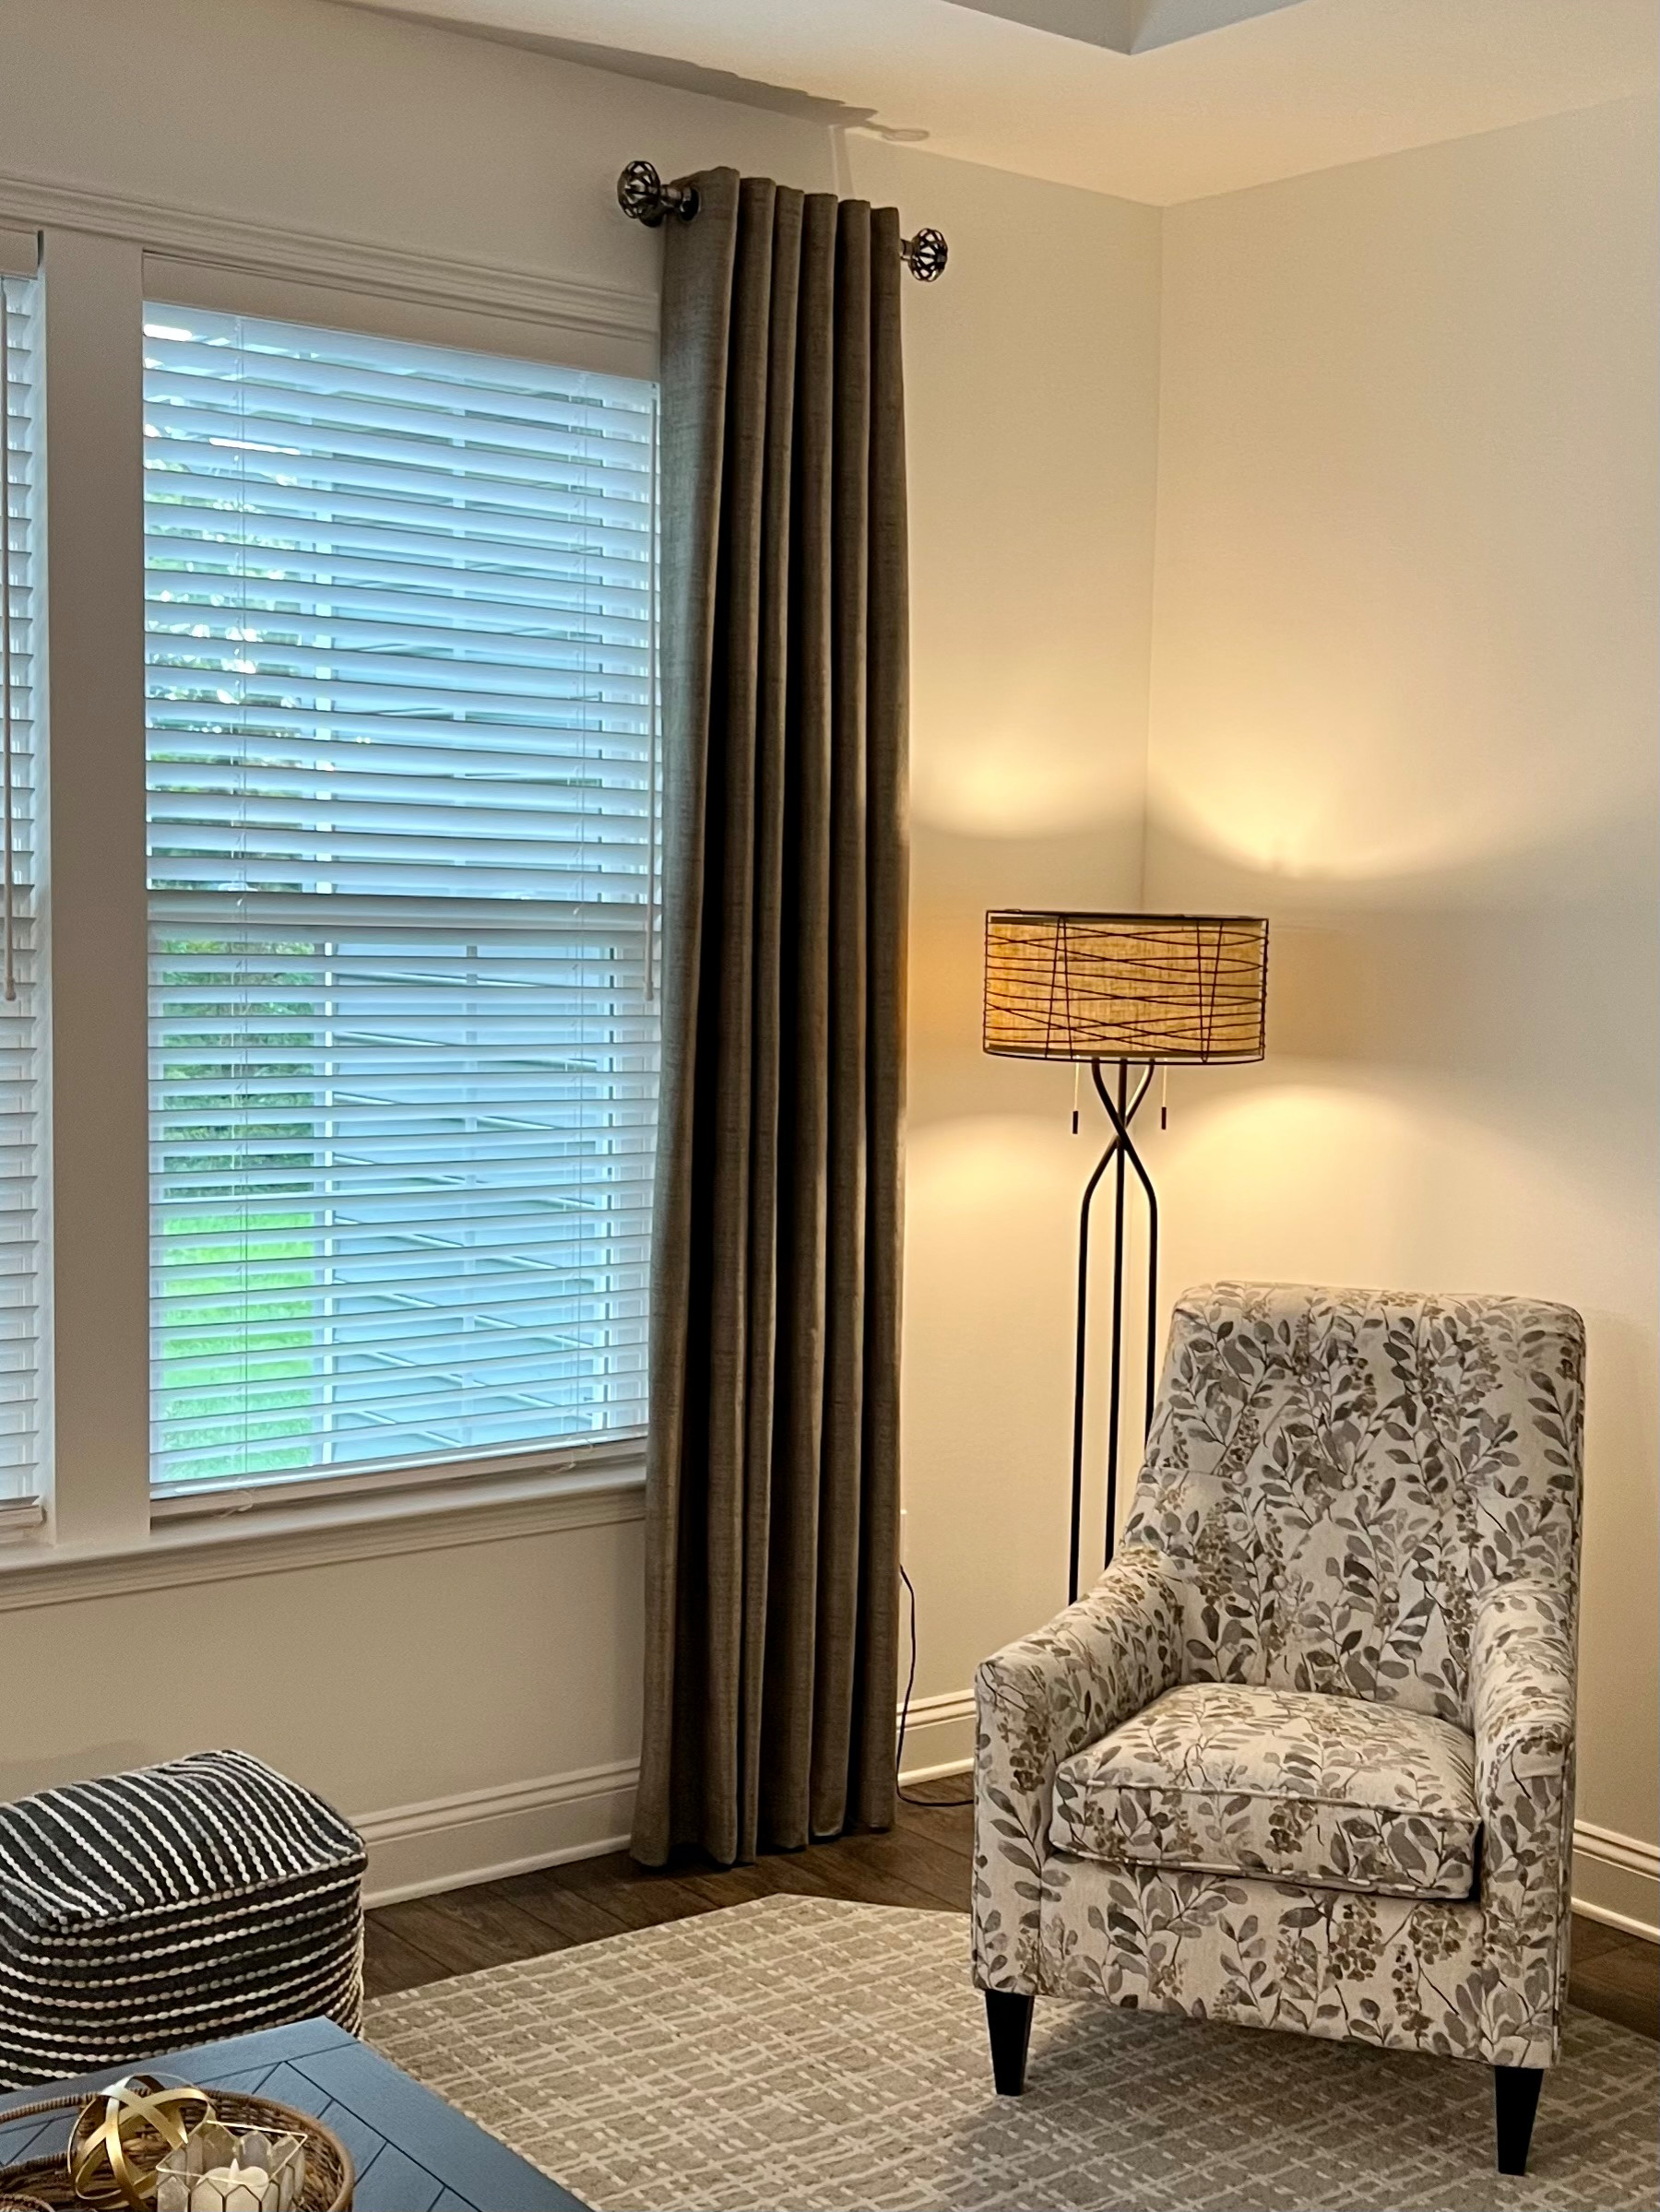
point(803, 2055)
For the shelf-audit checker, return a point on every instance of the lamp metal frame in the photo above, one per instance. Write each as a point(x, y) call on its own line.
point(1122, 1104)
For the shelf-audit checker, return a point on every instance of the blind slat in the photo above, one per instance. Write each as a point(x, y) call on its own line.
point(404, 1060)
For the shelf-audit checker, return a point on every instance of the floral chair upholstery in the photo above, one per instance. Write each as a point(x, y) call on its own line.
point(1303, 1757)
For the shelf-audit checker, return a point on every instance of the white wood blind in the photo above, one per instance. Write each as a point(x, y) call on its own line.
point(22, 1273)
point(401, 659)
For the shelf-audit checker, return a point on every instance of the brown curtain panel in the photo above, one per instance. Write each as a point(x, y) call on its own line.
point(772, 1487)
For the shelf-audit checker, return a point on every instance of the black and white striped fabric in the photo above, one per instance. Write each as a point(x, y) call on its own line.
point(149, 1911)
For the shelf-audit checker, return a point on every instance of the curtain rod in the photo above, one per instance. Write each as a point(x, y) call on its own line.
point(643, 195)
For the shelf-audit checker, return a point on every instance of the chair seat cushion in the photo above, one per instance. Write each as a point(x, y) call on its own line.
point(1288, 1784)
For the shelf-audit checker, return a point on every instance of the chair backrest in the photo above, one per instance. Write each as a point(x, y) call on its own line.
point(1338, 1474)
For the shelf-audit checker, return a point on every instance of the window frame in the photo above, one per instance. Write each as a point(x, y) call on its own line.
point(102, 1526)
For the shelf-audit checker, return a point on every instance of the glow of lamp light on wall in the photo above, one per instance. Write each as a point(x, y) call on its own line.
point(1327, 1182)
point(1259, 806)
point(1339, 796)
point(992, 1164)
point(1020, 782)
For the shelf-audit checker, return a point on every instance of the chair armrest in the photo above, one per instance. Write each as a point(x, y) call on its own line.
point(1039, 1702)
point(1521, 1672)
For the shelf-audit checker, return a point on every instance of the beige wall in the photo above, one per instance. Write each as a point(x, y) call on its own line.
point(1034, 399)
point(1404, 698)
point(501, 1678)
point(1403, 454)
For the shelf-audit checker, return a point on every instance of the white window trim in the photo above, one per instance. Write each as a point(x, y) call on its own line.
point(232, 1544)
point(100, 1530)
point(618, 323)
point(458, 1478)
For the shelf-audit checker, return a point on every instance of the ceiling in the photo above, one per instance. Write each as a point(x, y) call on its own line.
point(1212, 96)
point(1127, 26)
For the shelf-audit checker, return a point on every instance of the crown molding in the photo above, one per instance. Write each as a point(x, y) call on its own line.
point(359, 264)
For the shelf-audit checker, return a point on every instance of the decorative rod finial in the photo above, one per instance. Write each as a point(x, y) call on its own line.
point(925, 255)
point(642, 194)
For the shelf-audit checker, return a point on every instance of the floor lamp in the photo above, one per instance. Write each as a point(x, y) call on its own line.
point(1122, 994)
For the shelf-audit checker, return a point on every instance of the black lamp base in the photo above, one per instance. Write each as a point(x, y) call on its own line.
point(1122, 1104)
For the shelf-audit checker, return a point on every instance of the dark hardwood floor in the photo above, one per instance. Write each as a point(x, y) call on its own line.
point(1617, 1975)
point(924, 1861)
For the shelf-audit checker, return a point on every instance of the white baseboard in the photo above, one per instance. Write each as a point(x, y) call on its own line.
point(939, 1737)
point(1617, 1879)
point(943, 1771)
point(483, 1834)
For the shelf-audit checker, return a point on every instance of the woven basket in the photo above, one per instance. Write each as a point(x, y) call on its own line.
point(329, 2175)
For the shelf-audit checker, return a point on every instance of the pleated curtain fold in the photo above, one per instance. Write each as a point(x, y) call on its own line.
point(772, 1487)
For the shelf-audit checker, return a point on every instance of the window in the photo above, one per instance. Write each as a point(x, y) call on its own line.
point(401, 769)
point(21, 1286)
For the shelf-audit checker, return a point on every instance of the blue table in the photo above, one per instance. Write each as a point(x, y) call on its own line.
point(413, 2152)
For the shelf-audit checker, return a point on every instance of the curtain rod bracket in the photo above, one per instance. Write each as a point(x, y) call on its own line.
point(644, 198)
point(925, 255)
point(643, 195)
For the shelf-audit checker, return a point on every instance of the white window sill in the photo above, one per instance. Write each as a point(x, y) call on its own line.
point(227, 1534)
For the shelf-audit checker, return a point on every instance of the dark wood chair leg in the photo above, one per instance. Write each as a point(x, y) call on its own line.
point(1515, 2100)
point(1009, 2024)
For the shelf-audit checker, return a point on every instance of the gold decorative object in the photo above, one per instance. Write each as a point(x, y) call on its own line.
point(222, 2169)
point(123, 2134)
point(325, 2178)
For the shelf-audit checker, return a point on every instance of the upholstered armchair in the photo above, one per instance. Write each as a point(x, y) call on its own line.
point(1303, 1757)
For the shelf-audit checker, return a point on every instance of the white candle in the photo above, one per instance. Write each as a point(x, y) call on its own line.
point(234, 2188)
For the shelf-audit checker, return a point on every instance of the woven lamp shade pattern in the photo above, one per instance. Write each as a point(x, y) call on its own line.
point(1126, 987)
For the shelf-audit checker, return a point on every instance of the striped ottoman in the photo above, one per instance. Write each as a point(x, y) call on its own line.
point(153, 1910)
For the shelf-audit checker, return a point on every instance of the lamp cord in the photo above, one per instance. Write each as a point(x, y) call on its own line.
point(924, 1805)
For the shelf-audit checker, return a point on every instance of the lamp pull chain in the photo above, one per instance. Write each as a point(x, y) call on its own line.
point(1077, 1077)
point(1164, 1095)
